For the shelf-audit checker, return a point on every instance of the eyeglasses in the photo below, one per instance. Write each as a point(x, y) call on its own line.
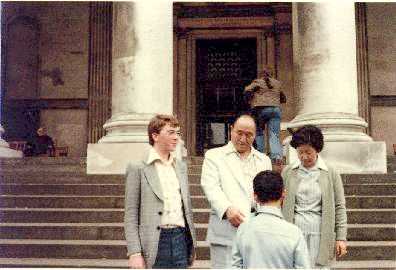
point(174, 132)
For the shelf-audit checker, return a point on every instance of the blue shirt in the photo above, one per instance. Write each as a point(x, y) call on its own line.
point(268, 241)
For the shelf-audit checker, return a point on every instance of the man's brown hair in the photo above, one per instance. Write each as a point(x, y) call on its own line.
point(158, 122)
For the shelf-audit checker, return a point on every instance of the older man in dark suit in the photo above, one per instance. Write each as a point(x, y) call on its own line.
point(158, 218)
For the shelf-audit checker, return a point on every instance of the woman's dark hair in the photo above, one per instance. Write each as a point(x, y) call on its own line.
point(268, 186)
point(309, 135)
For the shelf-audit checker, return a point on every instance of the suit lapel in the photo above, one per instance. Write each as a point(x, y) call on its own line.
point(236, 170)
point(152, 178)
point(293, 185)
point(324, 183)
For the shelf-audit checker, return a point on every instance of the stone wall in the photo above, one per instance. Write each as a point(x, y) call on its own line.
point(64, 50)
point(381, 26)
point(54, 68)
point(67, 128)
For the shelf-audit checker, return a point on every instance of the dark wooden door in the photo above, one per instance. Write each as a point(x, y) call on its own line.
point(224, 68)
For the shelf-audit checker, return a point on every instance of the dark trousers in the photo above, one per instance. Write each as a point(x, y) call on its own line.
point(172, 249)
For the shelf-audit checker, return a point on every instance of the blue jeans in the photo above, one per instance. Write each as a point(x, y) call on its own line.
point(271, 117)
point(172, 249)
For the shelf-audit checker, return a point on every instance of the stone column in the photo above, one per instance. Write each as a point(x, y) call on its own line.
point(324, 55)
point(5, 150)
point(141, 82)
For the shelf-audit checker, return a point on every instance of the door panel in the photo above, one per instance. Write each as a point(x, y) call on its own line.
point(223, 68)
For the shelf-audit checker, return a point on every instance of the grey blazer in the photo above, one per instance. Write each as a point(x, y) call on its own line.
point(334, 217)
point(144, 206)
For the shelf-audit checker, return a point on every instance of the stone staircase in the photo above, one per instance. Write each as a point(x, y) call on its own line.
point(54, 215)
point(371, 210)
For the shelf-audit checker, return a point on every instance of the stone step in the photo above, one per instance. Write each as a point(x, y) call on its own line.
point(341, 265)
point(115, 231)
point(198, 264)
point(370, 201)
point(59, 215)
point(195, 160)
point(78, 263)
point(55, 263)
point(356, 232)
point(370, 189)
point(69, 170)
point(73, 249)
point(62, 189)
point(365, 265)
point(194, 169)
point(200, 231)
point(371, 232)
point(61, 178)
point(349, 189)
point(63, 249)
point(371, 216)
point(62, 231)
point(351, 201)
point(369, 178)
point(350, 179)
point(357, 250)
point(61, 201)
point(194, 179)
point(43, 161)
point(370, 250)
point(66, 184)
point(199, 202)
point(200, 215)
point(391, 164)
point(355, 216)
point(196, 190)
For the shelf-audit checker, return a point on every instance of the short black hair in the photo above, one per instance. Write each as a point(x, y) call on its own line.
point(308, 135)
point(240, 115)
point(268, 186)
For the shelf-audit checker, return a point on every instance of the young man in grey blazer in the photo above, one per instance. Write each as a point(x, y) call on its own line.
point(227, 180)
point(158, 218)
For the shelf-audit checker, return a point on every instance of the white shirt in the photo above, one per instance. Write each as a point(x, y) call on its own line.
point(249, 169)
point(173, 207)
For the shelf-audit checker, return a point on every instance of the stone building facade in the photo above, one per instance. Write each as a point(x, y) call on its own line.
point(94, 73)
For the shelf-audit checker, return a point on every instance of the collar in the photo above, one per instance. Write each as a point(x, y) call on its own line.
point(230, 148)
point(154, 156)
point(320, 164)
point(270, 210)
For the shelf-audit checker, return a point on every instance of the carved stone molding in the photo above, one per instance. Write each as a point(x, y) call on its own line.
point(362, 62)
point(100, 75)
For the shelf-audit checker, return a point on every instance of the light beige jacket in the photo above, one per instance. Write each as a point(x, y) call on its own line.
point(223, 183)
point(334, 217)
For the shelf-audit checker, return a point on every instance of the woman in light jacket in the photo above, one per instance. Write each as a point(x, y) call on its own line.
point(315, 199)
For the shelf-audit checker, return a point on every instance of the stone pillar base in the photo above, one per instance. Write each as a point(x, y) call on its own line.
point(126, 128)
point(112, 158)
point(350, 157)
point(6, 152)
point(336, 126)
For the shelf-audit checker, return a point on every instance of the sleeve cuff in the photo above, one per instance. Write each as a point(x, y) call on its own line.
point(135, 254)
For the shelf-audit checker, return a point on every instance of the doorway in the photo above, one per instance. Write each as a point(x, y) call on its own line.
point(223, 68)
